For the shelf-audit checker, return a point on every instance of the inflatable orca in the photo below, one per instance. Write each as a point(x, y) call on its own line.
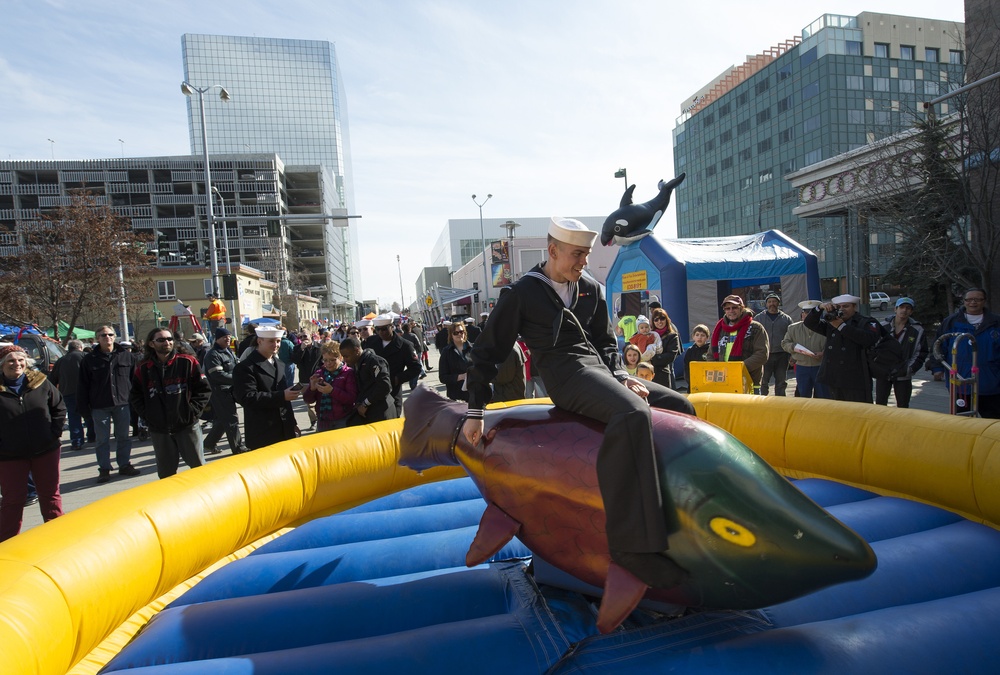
point(748, 538)
point(631, 222)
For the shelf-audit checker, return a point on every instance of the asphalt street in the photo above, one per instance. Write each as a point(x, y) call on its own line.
point(79, 468)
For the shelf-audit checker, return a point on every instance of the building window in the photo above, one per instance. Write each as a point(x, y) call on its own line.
point(788, 167)
point(931, 88)
point(811, 124)
point(932, 54)
point(710, 145)
point(906, 52)
point(880, 83)
point(746, 183)
point(761, 87)
point(810, 90)
point(785, 72)
point(745, 155)
point(807, 58)
point(853, 48)
point(727, 189)
point(684, 207)
point(724, 110)
point(856, 82)
point(711, 196)
point(165, 290)
point(726, 136)
point(881, 50)
point(785, 103)
point(764, 146)
point(708, 120)
point(789, 197)
point(767, 204)
point(743, 127)
point(682, 160)
point(814, 156)
point(742, 99)
point(855, 116)
point(955, 57)
point(727, 163)
point(906, 87)
point(786, 135)
point(748, 209)
point(709, 171)
point(763, 116)
point(713, 220)
point(765, 176)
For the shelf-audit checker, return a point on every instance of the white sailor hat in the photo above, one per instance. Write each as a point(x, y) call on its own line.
point(571, 231)
point(808, 305)
point(469, 319)
point(446, 323)
point(382, 320)
point(270, 332)
point(484, 314)
point(361, 323)
point(846, 299)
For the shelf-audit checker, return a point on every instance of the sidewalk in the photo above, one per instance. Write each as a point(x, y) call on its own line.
point(79, 468)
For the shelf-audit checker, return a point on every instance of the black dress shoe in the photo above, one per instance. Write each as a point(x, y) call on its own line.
point(103, 476)
point(32, 499)
point(129, 470)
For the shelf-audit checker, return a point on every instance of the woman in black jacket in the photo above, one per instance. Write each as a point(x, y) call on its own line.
point(455, 362)
point(664, 361)
point(32, 414)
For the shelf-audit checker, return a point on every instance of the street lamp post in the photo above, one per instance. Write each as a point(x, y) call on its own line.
point(121, 306)
point(510, 226)
point(225, 243)
point(622, 173)
point(402, 300)
point(189, 90)
point(486, 270)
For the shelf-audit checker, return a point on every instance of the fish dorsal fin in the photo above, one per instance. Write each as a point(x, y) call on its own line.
point(496, 528)
point(622, 593)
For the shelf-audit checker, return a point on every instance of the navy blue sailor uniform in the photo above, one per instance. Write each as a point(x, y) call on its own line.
point(577, 356)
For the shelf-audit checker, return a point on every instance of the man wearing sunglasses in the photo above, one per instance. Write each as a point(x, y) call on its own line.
point(397, 352)
point(104, 388)
point(169, 391)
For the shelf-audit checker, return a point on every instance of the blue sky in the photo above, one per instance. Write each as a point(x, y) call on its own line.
point(537, 102)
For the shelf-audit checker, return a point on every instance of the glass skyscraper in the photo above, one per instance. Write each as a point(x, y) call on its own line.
point(845, 82)
point(287, 99)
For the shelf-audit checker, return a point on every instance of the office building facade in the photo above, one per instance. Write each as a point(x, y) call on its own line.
point(845, 82)
point(287, 99)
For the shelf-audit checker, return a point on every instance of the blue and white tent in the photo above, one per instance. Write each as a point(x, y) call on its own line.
point(692, 276)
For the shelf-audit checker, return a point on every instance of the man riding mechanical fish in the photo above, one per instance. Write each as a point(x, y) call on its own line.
point(563, 317)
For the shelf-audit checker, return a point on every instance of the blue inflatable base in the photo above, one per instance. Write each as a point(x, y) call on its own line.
point(383, 589)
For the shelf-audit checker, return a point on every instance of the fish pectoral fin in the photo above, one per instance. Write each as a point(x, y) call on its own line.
point(622, 593)
point(496, 528)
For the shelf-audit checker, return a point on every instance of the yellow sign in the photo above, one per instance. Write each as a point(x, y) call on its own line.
point(725, 377)
point(429, 300)
point(634, 281)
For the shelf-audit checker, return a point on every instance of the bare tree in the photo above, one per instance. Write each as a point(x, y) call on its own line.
point(69, 261)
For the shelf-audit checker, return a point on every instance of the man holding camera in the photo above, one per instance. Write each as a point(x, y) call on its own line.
point(849, 335)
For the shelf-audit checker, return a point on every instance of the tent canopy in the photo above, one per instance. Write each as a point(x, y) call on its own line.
point(79, 333)
point(690, 277)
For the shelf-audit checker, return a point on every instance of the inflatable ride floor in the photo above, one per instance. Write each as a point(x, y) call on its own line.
point(383, 588)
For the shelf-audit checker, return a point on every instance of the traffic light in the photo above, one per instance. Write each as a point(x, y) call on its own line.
point(229, 289)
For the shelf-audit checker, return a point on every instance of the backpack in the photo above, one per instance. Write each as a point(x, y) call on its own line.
point(886, 357)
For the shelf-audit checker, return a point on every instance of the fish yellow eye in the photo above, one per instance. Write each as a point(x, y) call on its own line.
point(732, 532)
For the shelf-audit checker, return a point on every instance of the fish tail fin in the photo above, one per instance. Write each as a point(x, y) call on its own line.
point(496, 528)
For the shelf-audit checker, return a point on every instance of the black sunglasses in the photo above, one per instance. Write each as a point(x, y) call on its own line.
point(163, 340)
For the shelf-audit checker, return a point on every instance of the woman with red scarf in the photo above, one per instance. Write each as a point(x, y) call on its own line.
point(737, 337)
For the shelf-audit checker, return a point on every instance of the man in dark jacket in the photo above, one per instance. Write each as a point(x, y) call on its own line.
point(563, 318)
point(66, 376)
point(169, 391)
point(849, 335)
point(220, 362)
point(397, 352)
point(375, 402)
point(259, 386)
point(105, 384)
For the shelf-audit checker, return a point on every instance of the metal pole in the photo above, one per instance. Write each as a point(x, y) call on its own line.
point(484, 300)
point(124, 314)
point(402, 300)
point(225, 242)
point(208, 193)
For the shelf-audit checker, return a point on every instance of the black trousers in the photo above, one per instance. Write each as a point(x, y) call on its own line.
point(902, 388)
point(226, 421)
point(626, 465)
point(776, 366)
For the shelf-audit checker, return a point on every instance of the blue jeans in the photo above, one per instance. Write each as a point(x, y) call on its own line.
point(103, 418)
point(289, 374)
point(76, 436)
point(806, 383)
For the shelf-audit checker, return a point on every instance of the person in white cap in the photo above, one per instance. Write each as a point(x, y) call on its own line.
point(472, 329)
point(849, 334)
point(259, 386)
point(910, 334)
point(563, 318)
point(397, 352)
